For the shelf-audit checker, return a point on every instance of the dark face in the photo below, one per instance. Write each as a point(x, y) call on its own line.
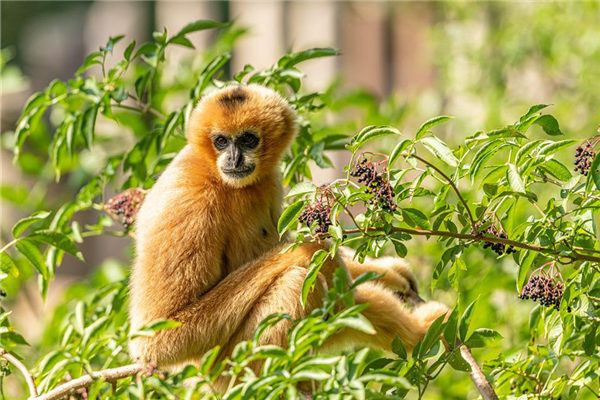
point(237, 156)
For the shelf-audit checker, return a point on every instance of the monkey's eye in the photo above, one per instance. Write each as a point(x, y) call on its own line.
point(248, 140)
point(220, 142)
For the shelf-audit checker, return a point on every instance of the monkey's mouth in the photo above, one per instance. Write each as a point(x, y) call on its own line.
point(241, 172)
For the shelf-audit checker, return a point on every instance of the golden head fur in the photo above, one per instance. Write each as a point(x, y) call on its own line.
point(234, 113)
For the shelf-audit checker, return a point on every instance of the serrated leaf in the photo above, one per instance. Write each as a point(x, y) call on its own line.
point(514, 179)
point(427, 125)
point(414, 217)
point(525, 150)
point(556, 169)
point(24, 223)
point(439, 149)
point(552, 147)
point(58, 240)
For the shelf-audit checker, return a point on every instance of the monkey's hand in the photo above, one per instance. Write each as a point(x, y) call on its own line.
point(140, 352)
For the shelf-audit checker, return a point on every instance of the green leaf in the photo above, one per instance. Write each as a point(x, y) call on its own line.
point(129, 50)
point(432, 335)
point(465, 321)
point(359, 323)
point(525, 150)
point(514, 179)
point(414, 217)
point(301, 188)
point(289, 216)
point(482, 337)
point(88, 125)
point(400, 147)
point(8, 266)
point(370, 133)
point(551, 147)
point(208, 359)
point(427, 125)
point(154, 326)
point(313, 271)
point(111, 43)
point(595, 171)
point(532, 110)
point(556, 169)
point(524, 269)
point(198, 25)
point(439, 149)
point(93, 329)
point(29, 249)
point(58, 240)
point(24, 223)
point(457, 362)
point(549, 124)
point(289, 60)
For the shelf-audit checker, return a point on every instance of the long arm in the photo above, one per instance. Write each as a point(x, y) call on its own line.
point(214, 317)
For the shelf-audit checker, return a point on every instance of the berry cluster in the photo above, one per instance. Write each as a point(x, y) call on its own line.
point(320, 211)
point(544, 289)
point(584, 155)
point(377, 184)
point(126, 205)
point(499, 248)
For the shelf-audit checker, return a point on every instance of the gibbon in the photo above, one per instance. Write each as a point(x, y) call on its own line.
point(208, 252)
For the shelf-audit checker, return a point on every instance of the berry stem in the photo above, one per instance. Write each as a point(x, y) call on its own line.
point(451, 182)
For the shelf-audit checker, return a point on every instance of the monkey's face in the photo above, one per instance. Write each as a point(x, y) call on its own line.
point(238, 156)
point(241, 132)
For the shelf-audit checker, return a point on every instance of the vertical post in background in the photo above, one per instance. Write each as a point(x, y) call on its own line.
point(362, 42)
point(263, 44)
point(315, 24)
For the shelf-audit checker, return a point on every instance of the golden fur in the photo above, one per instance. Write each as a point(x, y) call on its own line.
point(208, 253)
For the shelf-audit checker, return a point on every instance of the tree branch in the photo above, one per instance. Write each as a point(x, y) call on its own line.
point(480, 238)
point(477, 376)
point(22, 368)
point(108, 375)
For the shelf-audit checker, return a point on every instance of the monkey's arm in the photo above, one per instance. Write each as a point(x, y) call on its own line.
point(215, 316)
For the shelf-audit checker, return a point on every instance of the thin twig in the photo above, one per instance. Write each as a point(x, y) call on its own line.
point(22, 368)
point(451, 182)
point(71, 386)
point(480, 238)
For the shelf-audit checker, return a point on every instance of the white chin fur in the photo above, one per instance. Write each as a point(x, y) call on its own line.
point(238, 182)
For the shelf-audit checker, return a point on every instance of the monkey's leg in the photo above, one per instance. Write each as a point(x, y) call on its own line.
point(215, 316)
point(283, 296)
point(390, 318)
point(397, 273)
